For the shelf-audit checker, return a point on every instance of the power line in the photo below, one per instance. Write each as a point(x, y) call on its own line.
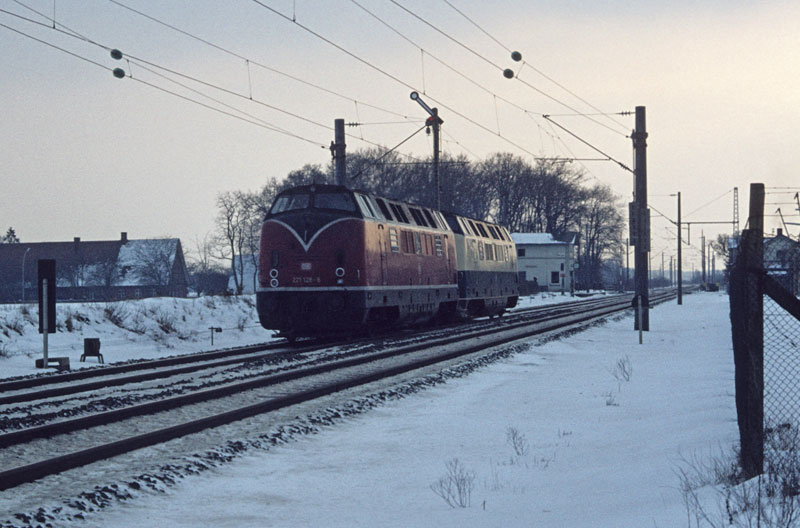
point(709, 203)
point(589, 144)
point(254, 62)
point(525, 63)
point(389, 75)
point(475, 53)
point(139, 62)
point(248, 119)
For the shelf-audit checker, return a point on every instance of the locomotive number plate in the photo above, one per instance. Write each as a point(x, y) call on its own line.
point(305, 266)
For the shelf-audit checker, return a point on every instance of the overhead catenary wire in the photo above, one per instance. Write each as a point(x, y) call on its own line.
point(496, 66)
point(255, 62)
point(709, 203)
point(390, 76)
point(525, 63)
point(249, 118)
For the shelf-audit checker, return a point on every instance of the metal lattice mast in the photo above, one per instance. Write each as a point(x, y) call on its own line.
point(735, 212)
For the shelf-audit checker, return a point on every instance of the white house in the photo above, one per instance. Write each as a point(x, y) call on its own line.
point(544, 262)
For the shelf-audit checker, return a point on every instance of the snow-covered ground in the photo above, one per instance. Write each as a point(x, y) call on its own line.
point(603, 425)
point(148, 328)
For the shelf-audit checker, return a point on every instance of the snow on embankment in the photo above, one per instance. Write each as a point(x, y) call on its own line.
point(146, 328)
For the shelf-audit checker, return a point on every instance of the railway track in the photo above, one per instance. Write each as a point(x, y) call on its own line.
point(275, 377)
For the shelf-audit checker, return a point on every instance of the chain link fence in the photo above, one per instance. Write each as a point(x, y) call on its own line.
point(781, 362)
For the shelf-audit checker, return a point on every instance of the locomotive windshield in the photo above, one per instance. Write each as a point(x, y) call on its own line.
point(290, 202)
point(334, 200)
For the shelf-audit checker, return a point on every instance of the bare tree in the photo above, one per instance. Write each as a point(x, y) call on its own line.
point(231, 229)
point(601, 228)
point(154, 259)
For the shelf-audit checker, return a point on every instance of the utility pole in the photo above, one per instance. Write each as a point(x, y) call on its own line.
point(671, 281)
point(338, 153)
point(435, 124)
point(680, 265)
point(703, 256)
point(627, 262)
point(642, 220)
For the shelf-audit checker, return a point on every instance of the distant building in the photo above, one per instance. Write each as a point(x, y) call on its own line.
point(96, 270)
point(782, 260)
point(544, 262)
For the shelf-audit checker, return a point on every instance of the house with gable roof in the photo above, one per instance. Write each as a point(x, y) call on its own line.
point(96, 270)
point(782, 261)
point(545, 262)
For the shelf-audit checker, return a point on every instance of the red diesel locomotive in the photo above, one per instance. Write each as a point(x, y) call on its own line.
point(334, 260)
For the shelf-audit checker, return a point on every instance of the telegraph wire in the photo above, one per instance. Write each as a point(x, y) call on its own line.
point(625, 167)
point(538, 90)
point(389, 151)
point(249, 119)
point(139, 62)
point(709, 203)
point(255, 63)
point(525, 63)
point(390, 76)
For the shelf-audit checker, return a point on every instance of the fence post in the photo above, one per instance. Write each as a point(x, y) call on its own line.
point(747, 332)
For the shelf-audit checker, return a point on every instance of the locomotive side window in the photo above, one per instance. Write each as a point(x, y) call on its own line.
point(289, 202)
point(417, 217)
point(417, 244)
point(474, 229)
point(453, 222)
point(482, 231)
point(489, 251)
point(429, 216)
point(393, 241)
point(334, 200)
point(442, 222)
point(493, 232)
point(385, 210)
point(399, 213)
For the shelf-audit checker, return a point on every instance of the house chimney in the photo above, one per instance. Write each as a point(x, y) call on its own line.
point(124, 237)
point(780, 231)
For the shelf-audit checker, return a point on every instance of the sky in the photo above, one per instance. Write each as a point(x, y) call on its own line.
point(90, 155)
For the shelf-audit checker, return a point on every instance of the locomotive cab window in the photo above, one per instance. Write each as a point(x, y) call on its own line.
point(290, 202)
point(335, 200)
point(384, 210)
point(366, 206)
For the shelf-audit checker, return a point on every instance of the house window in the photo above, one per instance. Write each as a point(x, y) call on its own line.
point(554, 279)
point(520, 252)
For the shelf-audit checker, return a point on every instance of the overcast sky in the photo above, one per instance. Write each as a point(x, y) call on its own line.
point(86, 154)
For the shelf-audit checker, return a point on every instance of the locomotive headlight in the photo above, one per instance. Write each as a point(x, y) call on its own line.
point(273, 273)
point(274, 283)
point(340, 272)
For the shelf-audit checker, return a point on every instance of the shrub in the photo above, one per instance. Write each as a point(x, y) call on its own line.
point(769, 500)
point(455, 487)
point(116, 313)
point(517, 441)
point(623, 370)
